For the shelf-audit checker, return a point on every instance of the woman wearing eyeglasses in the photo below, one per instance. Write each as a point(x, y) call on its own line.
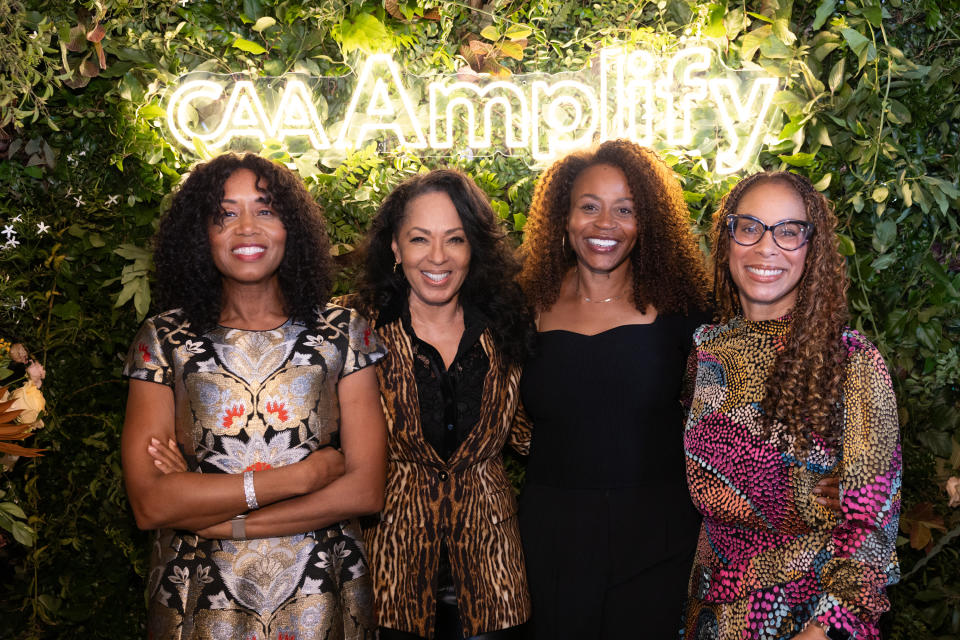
point(786, 394)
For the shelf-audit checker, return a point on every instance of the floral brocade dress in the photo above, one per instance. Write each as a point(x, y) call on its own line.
point(770, 558)
point(255, 400)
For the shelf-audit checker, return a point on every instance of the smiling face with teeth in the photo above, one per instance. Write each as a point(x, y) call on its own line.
point(768, 277)
point(432, 248)
point(602, 225)
point(247, 243)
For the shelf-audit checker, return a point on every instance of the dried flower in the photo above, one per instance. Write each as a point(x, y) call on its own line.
point(36, 373)
point(953, 490)
point(18, 353)
point(29, 400)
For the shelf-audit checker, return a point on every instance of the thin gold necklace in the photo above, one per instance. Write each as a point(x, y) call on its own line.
point(610, 299)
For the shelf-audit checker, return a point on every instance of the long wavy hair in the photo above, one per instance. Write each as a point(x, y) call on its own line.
point(802, 390)
point(186, 275)
point(668, 268)
point(490, 282)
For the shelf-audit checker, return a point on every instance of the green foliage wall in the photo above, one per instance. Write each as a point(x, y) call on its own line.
point(870, 111)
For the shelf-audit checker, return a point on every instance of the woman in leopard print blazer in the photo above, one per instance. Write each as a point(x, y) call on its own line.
point(438, 285)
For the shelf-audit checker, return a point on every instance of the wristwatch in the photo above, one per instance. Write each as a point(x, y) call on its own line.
point(238, 527)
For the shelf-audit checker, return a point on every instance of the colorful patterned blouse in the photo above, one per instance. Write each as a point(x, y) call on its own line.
point(770, 558)
point(250, 400)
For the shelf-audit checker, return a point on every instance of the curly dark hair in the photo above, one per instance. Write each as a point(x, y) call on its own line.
point(186, 275)
point(802, 390)
point(668, 268)
point(490, 283)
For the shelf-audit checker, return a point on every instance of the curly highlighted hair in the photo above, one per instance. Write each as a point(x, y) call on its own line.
point(490, 283)
point(186, 275)
point(668, 267)
point(802, 390)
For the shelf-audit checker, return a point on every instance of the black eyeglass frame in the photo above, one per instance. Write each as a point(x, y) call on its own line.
point(808, 230)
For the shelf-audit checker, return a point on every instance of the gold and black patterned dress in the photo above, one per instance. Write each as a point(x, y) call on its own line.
point(255, 400)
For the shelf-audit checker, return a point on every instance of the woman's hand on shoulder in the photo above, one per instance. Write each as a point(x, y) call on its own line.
point(827, 493)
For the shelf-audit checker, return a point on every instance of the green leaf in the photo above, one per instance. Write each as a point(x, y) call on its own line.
point(846, 246)
point(518, 32)
point(263, 23)
point(799, 159)
point(490, 32)
point(365, 33)
point(151, 111)
point(824, 11)
point(13, 509)
point(715, 28)
point(837, 75)
point(884, 235)
point(873, 14)
point(519, 221)
point(880, 194)
point(248, 46)
point(512, 49)
point(23, 534)
point(823, 183)
point(857, 41)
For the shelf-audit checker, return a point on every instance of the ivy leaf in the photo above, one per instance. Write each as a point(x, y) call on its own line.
point(824, 11)
point(364, 32)
point(880, 194)
point(824, 182)
point(248, 46)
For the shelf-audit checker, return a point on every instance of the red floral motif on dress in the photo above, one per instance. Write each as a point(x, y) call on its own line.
point(144, 352)
point(286, 636)
point(236, 411)
point(366, 337)
point(259, 466)
point(277, 408)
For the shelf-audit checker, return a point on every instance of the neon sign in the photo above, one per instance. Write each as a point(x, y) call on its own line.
point(682, 101)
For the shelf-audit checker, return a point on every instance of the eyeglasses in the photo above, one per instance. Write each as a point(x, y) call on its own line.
point(789, 235)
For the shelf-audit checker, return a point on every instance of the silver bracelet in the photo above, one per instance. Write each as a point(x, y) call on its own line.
point(248, 491)
point(238, 527)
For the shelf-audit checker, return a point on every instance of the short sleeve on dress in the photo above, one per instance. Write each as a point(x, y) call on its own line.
point(146, 359)
point(364, 346)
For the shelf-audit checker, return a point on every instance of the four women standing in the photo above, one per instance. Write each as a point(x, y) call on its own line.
point(618, 287)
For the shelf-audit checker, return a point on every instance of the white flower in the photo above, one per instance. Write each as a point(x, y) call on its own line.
point(78, 200)
point(8, 231)
point(12, 242)
point(111, 200)
point(42, 227)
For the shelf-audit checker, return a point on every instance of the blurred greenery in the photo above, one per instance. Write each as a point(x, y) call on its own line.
point(869, 110)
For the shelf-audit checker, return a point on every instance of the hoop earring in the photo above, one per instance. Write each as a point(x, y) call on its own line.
point(397, 269)
point(563, 244)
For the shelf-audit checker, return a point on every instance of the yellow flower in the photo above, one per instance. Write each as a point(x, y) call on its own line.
point(28, 399)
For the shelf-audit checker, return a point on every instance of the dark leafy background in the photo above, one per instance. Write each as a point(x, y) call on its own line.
point(870, 111)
